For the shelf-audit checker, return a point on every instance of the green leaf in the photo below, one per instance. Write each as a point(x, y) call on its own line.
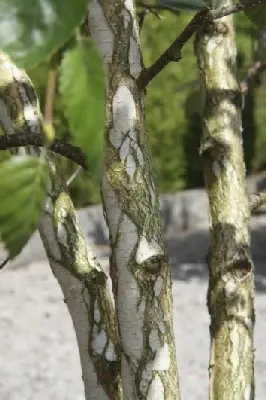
point(23, 191)
point(191, 5)
point(256, 14)
point(30, 30)
point(82, 87)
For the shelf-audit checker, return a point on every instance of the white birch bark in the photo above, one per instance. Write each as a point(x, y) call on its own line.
point(139, 263)
point(83, 283)
point(231, 270)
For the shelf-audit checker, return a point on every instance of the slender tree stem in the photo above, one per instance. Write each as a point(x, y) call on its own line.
point(50, 94)
point(79, 274)
point(139, 264)
point(231, 269)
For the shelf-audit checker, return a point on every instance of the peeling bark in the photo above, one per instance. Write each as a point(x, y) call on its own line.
point(139, 263)
point(231, 279)
point(83, 283)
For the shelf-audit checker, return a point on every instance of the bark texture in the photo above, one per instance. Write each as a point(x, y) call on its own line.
point(83, 283)
point(231, 280)
point(139, 263)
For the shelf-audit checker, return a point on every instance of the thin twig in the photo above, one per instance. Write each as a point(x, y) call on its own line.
point(155, 8)
point(141, 16)
point(58, 146)
point(73, 176)
point(50, 94)
point(256, 200)
point(224, 11)
point(3, 264)
point(253, 71)
point(173, 53)
point(146, 8)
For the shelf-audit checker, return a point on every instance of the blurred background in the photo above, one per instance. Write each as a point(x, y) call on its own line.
point(173, 108)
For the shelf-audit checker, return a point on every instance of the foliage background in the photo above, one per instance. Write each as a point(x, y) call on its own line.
point(173, 114)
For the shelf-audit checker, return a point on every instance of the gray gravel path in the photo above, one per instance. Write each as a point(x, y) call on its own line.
point(39, 358)
point(38, 353)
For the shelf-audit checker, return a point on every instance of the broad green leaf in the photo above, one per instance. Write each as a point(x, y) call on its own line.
point(30, 30)
point(175, 5)
point(256, 14)
point(22, 193)
point(82, 87)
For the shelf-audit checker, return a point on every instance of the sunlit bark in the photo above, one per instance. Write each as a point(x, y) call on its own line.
point(139, 264)
point(231, 291)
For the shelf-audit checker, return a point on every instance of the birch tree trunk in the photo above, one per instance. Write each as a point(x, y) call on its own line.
point(139, 264)
point(231, 280)
point(83, 283)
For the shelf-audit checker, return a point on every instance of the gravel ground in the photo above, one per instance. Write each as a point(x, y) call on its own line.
point(39, 357)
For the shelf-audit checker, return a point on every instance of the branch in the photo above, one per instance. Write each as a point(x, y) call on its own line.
point(155, 8)
point(256, 200)
point(3, 264)
point(173, 53)
point(73, 176)
point(50, 93)
point(252, 73)
point(65, 149)
point(224, 11)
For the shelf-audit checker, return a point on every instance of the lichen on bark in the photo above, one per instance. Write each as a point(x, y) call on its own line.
point(81, 279)
point(139, 263)
point(231, 278)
